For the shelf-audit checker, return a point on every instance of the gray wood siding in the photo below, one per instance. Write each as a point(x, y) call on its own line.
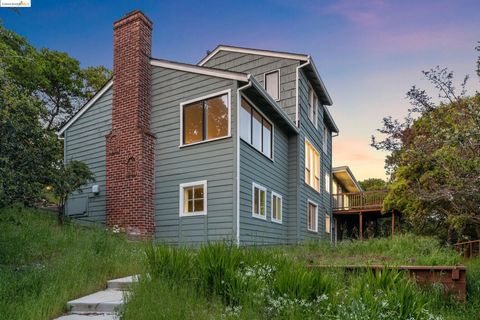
point(85, 141)
point(315, 136)
point(257, 66)
point(212, 161)
point(273, 175)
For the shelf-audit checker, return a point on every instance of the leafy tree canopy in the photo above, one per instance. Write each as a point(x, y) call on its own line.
point(373, 184)
point(434, 159)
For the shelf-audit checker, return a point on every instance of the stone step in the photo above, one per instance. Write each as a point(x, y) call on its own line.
point(106, 301)
point(121, 283)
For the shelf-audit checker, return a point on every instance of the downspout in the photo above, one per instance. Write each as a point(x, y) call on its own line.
point(239, 102)
point(297, 91)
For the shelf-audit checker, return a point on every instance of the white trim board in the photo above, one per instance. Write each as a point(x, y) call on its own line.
point(200, 70)
point(267, 53)
point(264, 189)
point(86, 106)
point(203, 183)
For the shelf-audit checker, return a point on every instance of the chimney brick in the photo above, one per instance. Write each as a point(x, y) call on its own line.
point(130, 145)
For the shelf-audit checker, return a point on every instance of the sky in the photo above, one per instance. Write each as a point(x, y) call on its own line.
point(368, 52)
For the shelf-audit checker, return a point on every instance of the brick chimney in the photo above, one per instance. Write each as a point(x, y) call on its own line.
point(130, 154)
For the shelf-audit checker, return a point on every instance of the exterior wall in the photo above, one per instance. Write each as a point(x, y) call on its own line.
point(315, 136)
point(85, 141)
point(257, 66)
point(212, 161)
point(271, 174)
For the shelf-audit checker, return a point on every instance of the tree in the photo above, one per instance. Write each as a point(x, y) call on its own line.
point(434, 160)
point(68, 179)
point(27, 150)
point(373, 184)
point(54, 78)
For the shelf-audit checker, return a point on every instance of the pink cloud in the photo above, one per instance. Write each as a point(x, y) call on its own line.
point(365, 13)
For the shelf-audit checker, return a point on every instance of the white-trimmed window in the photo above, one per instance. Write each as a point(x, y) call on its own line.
point(326, 133)
point(272, 84)
point(312, 105)
point(327, 223)
point(312, 166)
point(277, 207)
point(312, 216)
point(259, 201)
point(205, 119)
point(193, 198)
point(327, 182)
point(255, 129)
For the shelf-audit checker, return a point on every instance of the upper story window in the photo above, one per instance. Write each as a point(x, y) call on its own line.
point(255, 129)
point(326, 134)
point(205, 119)
point(312, 166)
point(328, 226)
point(327, 182)
point(312, 105)
point(272, 84)
point(193, 198)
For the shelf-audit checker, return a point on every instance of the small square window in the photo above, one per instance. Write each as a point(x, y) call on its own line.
point(312, 105)
point(193, 198)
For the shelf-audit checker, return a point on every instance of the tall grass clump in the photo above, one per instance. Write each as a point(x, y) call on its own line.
point(252, 283)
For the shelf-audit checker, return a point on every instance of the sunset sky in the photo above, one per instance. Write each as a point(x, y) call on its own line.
point(369, 52)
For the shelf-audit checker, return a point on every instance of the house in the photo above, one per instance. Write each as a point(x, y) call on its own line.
point(356, 212)
point(237, 147)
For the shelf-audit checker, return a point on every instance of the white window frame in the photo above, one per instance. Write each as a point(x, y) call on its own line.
point(265, 82)
point(328, 180)
point(272, 146)
point(328, 228)
point(311, 183)
point(205, 198)
point(274, 194)
point(261, 188)
point(316, 215)
point(315, 107)
point(228, 92)
point(326, 132)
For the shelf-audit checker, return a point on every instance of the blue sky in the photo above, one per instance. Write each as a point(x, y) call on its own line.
point(368, 52)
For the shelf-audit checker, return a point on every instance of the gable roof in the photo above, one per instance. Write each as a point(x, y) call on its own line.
point(308, 66)
point(267, 53)
point(86, 106)
point(346, 177)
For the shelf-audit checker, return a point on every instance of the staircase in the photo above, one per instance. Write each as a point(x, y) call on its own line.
point(101, 305)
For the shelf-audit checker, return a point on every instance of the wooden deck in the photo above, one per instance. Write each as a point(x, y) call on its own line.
point(354, 202)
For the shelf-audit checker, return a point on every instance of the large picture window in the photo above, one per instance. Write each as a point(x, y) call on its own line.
point(259, 201)
point(272, 84)
point(312, 216)
point(193, 198)
point(312, 166)
point(205, 119)
point(255, 129)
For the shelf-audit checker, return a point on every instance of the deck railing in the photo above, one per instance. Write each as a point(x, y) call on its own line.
point(359, 200)
point(468, 248)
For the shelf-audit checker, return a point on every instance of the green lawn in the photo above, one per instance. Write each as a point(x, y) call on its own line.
point(43, 265)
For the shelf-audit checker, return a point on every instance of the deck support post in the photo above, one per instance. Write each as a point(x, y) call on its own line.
point(393, 223)
point(361, 226)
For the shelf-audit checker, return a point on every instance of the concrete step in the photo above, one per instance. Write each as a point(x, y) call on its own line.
point(89, 316)
point(122, 283)
point(106, 301)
